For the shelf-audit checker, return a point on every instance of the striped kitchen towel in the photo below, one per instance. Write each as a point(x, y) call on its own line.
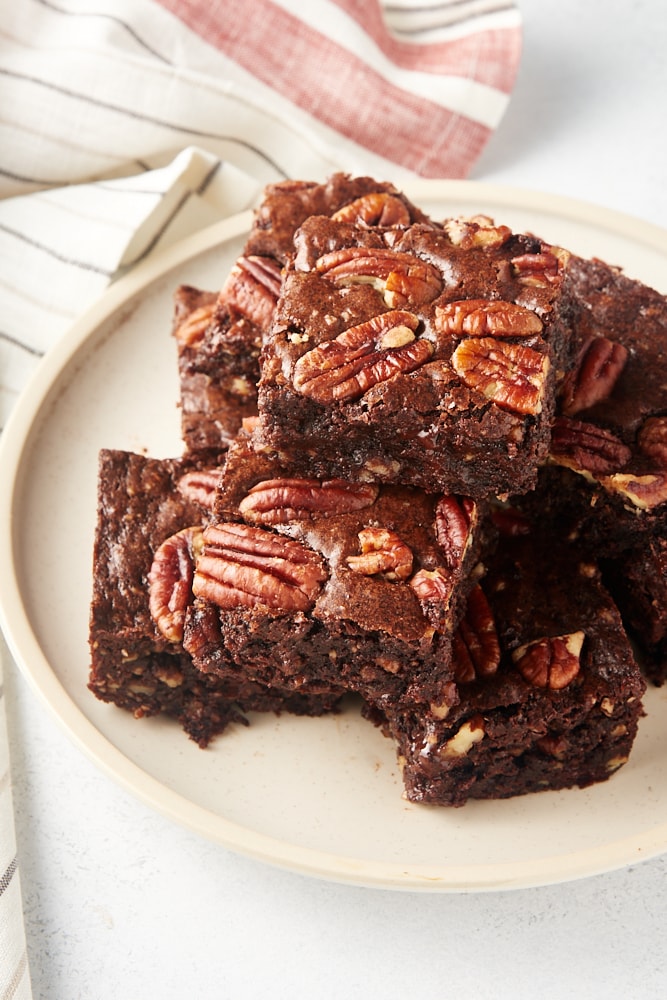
point(14, 971)
point(127, 123)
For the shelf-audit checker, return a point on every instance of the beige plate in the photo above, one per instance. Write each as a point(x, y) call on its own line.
point(319, 796)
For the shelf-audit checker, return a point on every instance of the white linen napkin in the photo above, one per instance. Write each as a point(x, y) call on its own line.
point(14, 970)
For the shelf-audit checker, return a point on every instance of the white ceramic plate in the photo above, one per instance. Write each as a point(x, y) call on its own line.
point(319, 796)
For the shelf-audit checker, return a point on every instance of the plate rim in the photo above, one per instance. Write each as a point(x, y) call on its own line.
point(33, 664)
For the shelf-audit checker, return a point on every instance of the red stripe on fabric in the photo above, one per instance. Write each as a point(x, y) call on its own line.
point(488, 57)
point(301, 64)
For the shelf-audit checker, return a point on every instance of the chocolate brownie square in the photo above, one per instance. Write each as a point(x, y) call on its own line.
point(150, 512)
point(218, 347)
point(550, 693)
point(606, 479)
point(424, 356)
point(332, 582)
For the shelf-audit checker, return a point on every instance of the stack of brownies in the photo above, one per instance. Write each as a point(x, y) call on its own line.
point(419, 459)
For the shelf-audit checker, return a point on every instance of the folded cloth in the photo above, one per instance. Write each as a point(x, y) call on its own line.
point(14, 971)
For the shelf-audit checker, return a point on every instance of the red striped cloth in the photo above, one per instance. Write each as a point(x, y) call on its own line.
point(427, 104)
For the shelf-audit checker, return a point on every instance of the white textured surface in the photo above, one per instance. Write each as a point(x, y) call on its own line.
point(122, 904)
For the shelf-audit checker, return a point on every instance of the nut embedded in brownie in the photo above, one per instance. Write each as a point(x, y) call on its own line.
point(424, 356)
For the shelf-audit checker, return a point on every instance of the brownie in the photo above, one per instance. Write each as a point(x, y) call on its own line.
point(606, 480)
point(638, 580)
point(424, 356)
point(550, 693)
point(218, 348)
point(137, 664)
point(335, 583)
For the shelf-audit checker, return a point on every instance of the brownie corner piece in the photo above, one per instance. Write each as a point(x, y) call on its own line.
point(550, 694)
point(427, 356)
point(137, 659)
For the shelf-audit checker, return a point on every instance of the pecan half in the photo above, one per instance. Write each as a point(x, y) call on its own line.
point(379, 208)
point(539, 269)
point(652, 440)
point(434, 589)
point(170, 581)
point(244, 566)
point(476, 231)
point(278, 501)
point(475, 645)
point(252, 288)
point(486, 317)
point(194, 326)
point(361, 357)
point(551, 662)
point(403, 279)
point(510, 375)
point(453, 519)
point(644, 492)
point(600, 363)
point(586, 448)
point(382, 551)
point(201, 486)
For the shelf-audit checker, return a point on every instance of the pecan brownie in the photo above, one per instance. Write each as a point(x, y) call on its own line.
point(149, 513)
point(550, 694)
point(218, 346)
point(606, 480)
point(427, 356)
point(332, 582)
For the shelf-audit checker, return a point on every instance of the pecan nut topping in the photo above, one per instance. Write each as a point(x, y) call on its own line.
point(382, 551)
point(403, 279)
point(476, 231)
point(600, 363)
point(454, 518)
point(246, 566)
point(252, 288)
point(475, 645)
point(511, 375)
point(551, 662)
point(170, 581)
point(200, 486)
point(540, 269)
point(379, 208)
point(586, 448)
point(361, 357)
point(278, 501)
point(652, 440)
point(486, 317)
point(643, 492)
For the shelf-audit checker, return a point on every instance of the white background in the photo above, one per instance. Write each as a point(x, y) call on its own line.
point(122, 904)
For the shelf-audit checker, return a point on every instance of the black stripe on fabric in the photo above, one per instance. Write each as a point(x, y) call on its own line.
point(9, 874)
point(108, 17)
point(54, 253)
point(24, 347)
point(50, 182)
point(140, 116)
